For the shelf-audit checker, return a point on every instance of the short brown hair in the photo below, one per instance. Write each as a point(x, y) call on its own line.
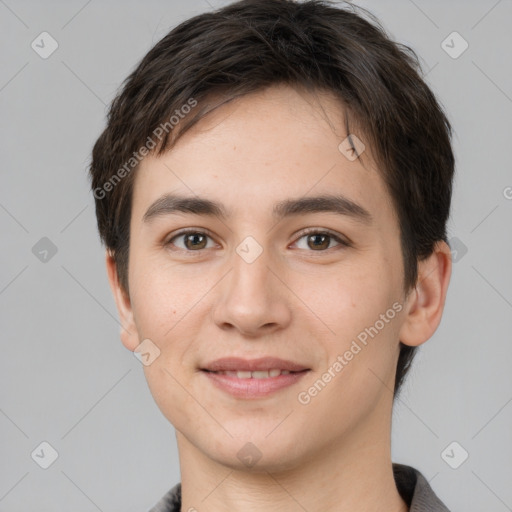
point(252, 44)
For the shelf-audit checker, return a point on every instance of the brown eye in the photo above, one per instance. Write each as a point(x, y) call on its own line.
point(191, 241)
point(195, 241)
point(320, 241)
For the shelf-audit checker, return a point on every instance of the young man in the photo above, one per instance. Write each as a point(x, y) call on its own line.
point(273, 188)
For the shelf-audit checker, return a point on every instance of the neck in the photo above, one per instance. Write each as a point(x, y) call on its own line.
point(352, 475)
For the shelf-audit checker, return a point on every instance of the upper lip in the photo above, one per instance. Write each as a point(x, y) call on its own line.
point(253, 365)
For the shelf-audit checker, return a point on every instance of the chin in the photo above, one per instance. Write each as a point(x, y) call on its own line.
point(265, 465)
point(259, 453)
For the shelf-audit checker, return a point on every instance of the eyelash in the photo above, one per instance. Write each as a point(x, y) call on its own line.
point(341, 243)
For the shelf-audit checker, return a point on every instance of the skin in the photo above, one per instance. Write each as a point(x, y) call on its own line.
point(295, 301)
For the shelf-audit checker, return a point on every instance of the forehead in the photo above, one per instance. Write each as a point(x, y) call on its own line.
point(262, 149)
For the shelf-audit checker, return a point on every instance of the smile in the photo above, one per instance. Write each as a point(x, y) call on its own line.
point(262, 374)
point(255, 384)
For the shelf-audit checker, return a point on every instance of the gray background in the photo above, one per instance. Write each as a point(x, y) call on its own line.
point(64, 375)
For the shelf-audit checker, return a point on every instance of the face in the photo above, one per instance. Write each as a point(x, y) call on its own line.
point(273, 272)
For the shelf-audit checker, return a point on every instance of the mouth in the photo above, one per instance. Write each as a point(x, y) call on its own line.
point(252, 384)
point(252, 379)
point(260, 367)
point(260, 374)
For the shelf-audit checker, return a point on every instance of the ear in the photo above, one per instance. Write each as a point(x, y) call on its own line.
point(425, 304)
point(129, 334)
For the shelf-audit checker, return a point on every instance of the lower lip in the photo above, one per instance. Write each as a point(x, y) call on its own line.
point(253, 388)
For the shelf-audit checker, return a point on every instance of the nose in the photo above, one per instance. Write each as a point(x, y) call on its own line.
point(253, 299)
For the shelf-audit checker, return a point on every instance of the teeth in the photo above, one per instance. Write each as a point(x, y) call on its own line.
point(261, 374)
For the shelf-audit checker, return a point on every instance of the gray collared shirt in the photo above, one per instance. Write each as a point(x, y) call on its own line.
point(411, 484)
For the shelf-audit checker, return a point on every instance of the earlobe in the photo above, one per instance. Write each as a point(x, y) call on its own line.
point(129, 334)
point(425, 303)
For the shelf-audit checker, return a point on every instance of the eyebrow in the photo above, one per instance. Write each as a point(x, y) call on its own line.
point(171, 203)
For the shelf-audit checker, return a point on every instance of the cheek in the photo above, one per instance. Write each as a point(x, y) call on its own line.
point(363, 311)
point(162, 296)
point(165, 311)
point(350, 299)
